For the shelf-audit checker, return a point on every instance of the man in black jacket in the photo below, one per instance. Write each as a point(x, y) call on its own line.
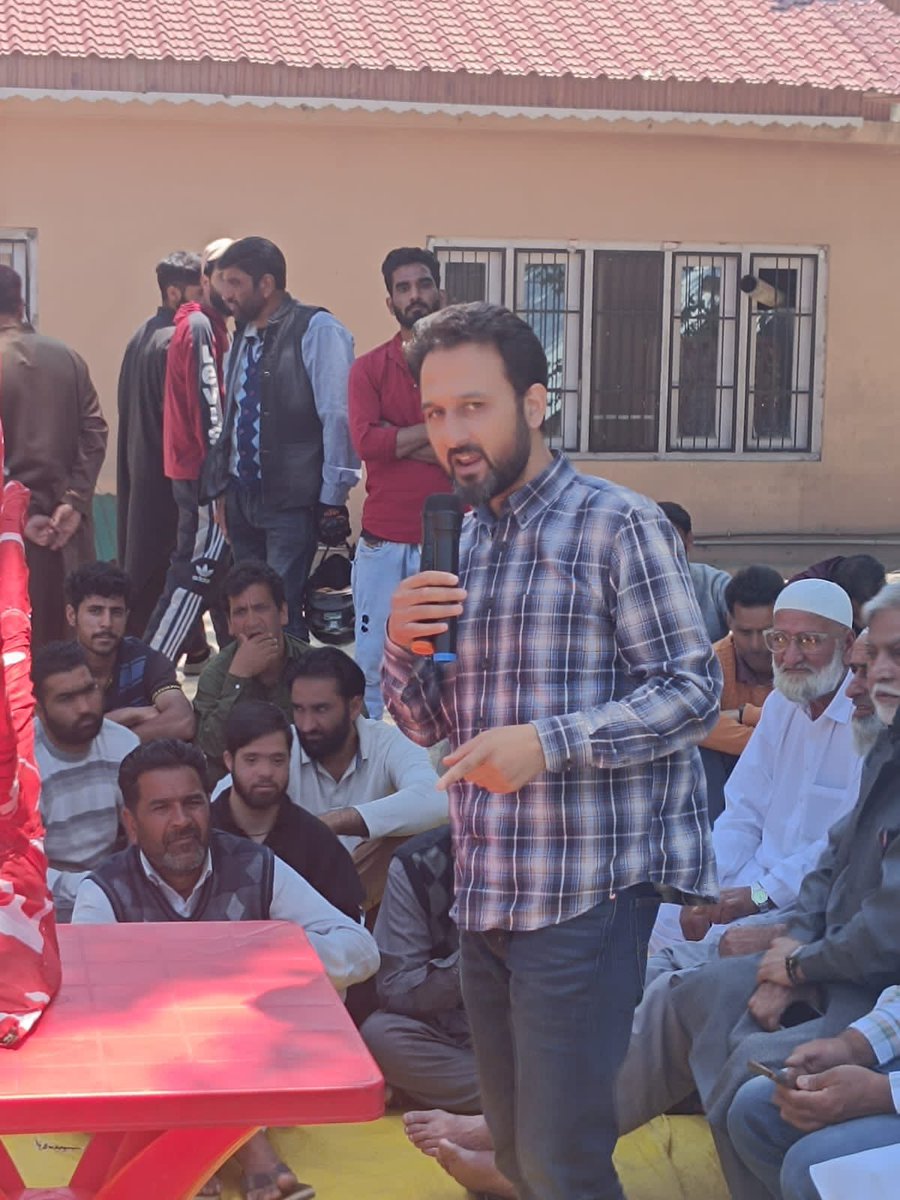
point(284, 463)
point(147, 515)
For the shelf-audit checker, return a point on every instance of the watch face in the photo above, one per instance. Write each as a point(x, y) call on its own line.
point(759, 896)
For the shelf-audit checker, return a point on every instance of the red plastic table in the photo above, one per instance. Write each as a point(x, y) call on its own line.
point(172, 1044)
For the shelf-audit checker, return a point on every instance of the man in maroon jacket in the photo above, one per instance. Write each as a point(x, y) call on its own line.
point(389, 435)
point(192, 422)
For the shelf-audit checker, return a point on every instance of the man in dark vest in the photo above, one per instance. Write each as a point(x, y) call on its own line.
point(179, 869)
point(284, 463)
point(420, 1034)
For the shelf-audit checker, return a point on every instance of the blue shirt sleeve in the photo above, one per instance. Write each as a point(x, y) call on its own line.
point(327, 351)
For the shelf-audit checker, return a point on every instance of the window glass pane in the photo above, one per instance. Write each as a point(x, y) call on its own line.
point(625, 350)
point(471, 274)
point(16, 251)
point(703, 348)
point(549, 298)
point(782, 293)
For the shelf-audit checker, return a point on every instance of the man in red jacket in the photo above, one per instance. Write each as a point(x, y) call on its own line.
point(192, 422)
point(388, 434)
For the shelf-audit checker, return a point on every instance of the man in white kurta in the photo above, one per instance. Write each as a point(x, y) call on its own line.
point(798, 775)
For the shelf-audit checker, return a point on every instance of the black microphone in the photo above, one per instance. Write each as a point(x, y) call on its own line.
point(441, 524)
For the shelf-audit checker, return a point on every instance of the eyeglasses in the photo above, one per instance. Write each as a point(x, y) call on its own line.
point(777, 640)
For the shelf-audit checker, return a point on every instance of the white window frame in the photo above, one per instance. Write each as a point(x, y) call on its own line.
point(24, 260)
point(670, 249)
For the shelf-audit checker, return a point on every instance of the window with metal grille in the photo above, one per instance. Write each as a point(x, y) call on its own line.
point(663, 351)
point(18, 249)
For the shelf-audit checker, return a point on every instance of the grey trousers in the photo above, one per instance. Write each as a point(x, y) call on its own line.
point(431, 1066)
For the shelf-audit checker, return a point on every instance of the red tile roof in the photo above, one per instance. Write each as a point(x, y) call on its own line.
point(831, 44)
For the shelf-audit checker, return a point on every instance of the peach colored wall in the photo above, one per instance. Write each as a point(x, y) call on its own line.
point(111, 188)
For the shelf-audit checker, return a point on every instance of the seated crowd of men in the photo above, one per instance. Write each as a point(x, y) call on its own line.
point(311, 800)
point(275, 796)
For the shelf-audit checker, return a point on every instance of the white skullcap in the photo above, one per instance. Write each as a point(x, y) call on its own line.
point(215, 250)
point(819, 597)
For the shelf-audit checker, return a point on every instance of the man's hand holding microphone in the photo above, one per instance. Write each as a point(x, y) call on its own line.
point(426, 606)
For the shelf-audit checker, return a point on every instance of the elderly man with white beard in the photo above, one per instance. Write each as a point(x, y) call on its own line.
point(798, 775)
point(806, 973)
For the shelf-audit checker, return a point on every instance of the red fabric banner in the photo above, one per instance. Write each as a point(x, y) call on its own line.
point(29, 955)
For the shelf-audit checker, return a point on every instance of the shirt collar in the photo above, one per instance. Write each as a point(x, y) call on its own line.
point(530, 500)
point(840, 709)
point(395, 350)
point(175, 898)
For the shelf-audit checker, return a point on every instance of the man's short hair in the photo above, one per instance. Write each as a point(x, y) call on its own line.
point(255, 719)
point(327, 662)
point(678, 516)
point(245, 574)
point(55, 659)
point(753, 587)
point(861, 576)
point(10, 292)
point(524, 360)
point(105, 579)
point(179, 269)
point(256, 256)
point(161, 755)
point(887, 598)
point(408, 256)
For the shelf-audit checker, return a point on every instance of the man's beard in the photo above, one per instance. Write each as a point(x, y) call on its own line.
point(406, 320)
point(329, 743)
point(217, 303)
point(67, 735)
point(886, 712)
point(190, 853)
point(253, 799)
point(809, 686)
point(865, 731)
point(501, 474)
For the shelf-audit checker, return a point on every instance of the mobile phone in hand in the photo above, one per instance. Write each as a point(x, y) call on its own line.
point(783, 1076)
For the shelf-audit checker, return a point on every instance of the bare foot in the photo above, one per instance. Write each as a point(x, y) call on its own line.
point(426, 1129)
point(474, 1169)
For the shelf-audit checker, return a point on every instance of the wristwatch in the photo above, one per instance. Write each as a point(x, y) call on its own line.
point(760, 898)
point(793, 969)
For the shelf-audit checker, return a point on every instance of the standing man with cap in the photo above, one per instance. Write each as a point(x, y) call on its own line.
point(192, 423)
point(147, 517)
point(401, 468)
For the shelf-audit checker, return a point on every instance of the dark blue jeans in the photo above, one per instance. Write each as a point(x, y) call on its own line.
point(551, 1012)
point(286, 539)
point(781, 1156)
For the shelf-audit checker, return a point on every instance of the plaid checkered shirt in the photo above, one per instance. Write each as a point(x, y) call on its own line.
point(581, 619)
point(881, 1029)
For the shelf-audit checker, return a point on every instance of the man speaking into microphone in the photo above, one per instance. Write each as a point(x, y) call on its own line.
point(582, 682)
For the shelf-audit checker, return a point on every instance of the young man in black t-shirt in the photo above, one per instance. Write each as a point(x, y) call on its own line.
point(139, 686)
